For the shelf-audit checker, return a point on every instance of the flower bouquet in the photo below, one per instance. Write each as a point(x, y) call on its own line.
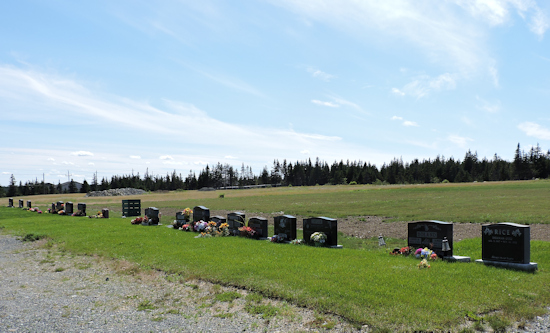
point(79, 213)
point(297, 242)
point(318, 238)
point(277, 238)
point(223, 230)
point(424, 264)
point(200, 226)
point(138, 220)
point(247, 232)
point(186, 227)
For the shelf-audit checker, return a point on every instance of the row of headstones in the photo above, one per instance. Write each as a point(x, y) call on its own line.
point(284, 225)
point(10, 203)
point(503, 244)
point(67, 207)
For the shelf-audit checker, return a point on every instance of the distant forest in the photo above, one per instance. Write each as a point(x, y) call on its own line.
point(526, 165)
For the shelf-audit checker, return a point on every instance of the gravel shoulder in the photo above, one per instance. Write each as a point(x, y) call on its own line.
point(45, 290)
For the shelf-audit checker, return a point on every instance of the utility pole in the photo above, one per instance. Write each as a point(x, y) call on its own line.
point(44, 184)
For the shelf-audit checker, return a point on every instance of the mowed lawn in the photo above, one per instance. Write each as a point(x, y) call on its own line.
point(366, 286)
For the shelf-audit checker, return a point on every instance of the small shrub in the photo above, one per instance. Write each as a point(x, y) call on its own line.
point(221, 196)
point(445, 181)
point(353, 182)
point(59, 269)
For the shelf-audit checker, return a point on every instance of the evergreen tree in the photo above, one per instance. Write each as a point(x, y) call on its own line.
point(12, 189)
point(72, 186)
point(85, 187)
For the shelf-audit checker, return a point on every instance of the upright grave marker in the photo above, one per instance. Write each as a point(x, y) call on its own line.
point(323, 224)
point(69, 208)
point(20, 203)
point(82, 208)
point(507, 245)
point(59, 206)
point(259, 224)
point(52, 209)
point(430, 234)
point(29, 204)
point(235, 221)
point(201, 213)
point(10, 202)
point(152, 214)
point(285, 227)
point(219, 220)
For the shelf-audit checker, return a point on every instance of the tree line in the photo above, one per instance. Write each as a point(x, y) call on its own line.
point(526, 165)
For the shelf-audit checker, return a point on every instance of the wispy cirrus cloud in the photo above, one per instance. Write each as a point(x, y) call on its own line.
point(325, 103)
point(534, 130)
point(423, 85)
point(82, 153)
point(318, 74)
point(406, 123)
point(460, 141)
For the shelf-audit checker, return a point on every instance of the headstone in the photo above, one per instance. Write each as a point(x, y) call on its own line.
point(82, 207)
point(326, 225)
point(29, 204)
point(59, 206)
point(53, 210)
point(259, 224)
point(507, 245)
point(131, 207)
point(20, 203)
point(69, 207)
point(105, 213)
point(235, 221)
point(430, 234)
point(10, 202)
point(285, 227)
point(152, 214)
point(201, 213)
point(181, 219)
point(219, 220)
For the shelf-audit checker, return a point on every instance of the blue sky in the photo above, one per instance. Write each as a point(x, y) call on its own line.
point(116, 87)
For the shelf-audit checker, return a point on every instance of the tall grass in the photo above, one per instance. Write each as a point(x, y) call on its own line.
point(365, 286)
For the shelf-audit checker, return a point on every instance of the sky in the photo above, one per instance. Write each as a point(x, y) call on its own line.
point(124, 87)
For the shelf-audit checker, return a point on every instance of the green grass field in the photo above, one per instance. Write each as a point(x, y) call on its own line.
point(365, 286)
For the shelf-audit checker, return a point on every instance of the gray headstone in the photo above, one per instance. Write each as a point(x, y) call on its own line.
point(259, 224)
point(430, 234)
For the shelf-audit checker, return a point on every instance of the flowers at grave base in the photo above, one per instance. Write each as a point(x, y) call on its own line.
point(79, 213)
point(297, 242)
point(203, 235)
point(277, 238)
point(187, 212)
point(61, 212)
point(318, 238)
point(223, 230)
point(200, 226)
point(406, 250)
point(39, 211)
point(423, 264)
point(186, 227)
point(26, 208)
point(138, 220)
point(247, 232)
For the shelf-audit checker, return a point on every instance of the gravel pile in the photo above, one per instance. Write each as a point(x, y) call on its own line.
point(116, 192)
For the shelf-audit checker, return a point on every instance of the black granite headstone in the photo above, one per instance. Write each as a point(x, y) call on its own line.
point(430, 234)
point(53, 209)
point(10, 202)
point(29, 204)
point(131, 207)
point(20, 203)
point(285, 227)
point(506, 242)
point(105, 213)
point(219, 220)
point(201, 213)
point(235, 221)
point(82, 207)
point(326, 225)
point(69, 208)
point(152, 213)
point(59, 206)
point(259, 224)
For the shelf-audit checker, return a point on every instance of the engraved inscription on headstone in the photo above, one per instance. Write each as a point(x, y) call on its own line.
point(326, 225)
point(235, 221)
point(285, 227)
point(259, 224)
point(201, 213)
point(506, 242)
point(430, 234)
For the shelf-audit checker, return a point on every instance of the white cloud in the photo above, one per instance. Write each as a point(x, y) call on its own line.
point(535, 130)
point(404, 122)
point(67, 163)
point(136, 157)
point(166, 157)
point(329, 104)
point(460, 141)
point(51, 159)
point(423, 85)
point(82, 153)
point(487, 106)
point(320, 74)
